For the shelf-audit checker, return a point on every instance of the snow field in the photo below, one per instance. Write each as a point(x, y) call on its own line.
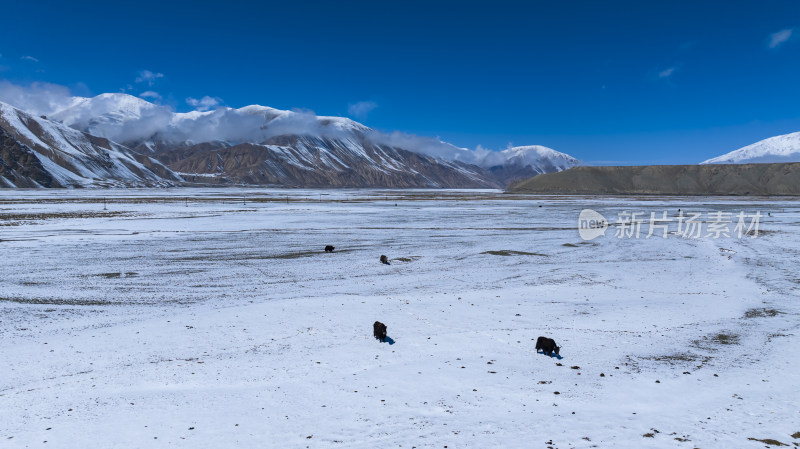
point(224, 324)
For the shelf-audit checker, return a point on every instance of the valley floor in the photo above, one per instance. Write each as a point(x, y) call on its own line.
point(213, 318)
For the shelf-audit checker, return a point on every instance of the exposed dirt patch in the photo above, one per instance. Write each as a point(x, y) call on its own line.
point(724, 339)
point(711, 342)
point(20, 218)
point(681, 359)
point(508, 252)
point(761, 232)
point(674, 358)
point(59, 301)
point(769, 441)
point(224, 256)
point(761, 313)
point(119, 274)
point(406, 259)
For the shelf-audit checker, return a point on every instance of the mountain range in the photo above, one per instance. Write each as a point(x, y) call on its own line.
point(259, 145)
point(121, 140)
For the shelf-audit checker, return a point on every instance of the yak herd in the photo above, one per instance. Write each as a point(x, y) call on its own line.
point(546, 345)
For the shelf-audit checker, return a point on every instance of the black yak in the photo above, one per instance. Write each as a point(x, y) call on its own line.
point(379, 330)
point(385, 260)
point(328, 249)
point(547, 345)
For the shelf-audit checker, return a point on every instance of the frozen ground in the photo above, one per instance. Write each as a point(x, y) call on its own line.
point(217, 321)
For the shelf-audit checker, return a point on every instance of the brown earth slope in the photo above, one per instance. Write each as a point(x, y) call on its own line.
point(728, 179)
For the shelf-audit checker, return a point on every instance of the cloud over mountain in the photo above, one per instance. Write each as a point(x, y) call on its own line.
point(133, 120)
point(36, 98)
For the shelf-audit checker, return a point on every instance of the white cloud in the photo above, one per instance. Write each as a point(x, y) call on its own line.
point(204, 104)
point(36, 98)
point(428, 145)
point(667, 73)
point(776, 39)
point(361, 109)
point(29, 58)
point(146, 76)
point(150, 94)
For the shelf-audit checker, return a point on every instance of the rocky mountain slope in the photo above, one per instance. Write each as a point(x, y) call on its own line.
point(36, 152)
point(727, 179)
point(304, 161)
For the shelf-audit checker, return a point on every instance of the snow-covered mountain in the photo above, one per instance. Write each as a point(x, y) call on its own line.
point(307, 161)
point(526, 162)
point(259, 144)
point(36, 152)
point(785, 148)
point(134, 121)
point(547, 159)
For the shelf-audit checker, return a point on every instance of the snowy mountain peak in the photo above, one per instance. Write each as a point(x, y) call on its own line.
point(112, 115)
point(344, 124)
point(784, 148)
point(257, 109)
point(530, 155)
point(118, 104)
point(535, 153)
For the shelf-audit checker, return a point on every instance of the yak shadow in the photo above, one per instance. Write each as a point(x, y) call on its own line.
point(389, 340)
point(558, 357)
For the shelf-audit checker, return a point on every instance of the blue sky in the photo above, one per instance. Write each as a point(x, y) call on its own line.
point(638, 82)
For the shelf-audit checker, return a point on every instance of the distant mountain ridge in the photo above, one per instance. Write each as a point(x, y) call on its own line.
point(712, 179)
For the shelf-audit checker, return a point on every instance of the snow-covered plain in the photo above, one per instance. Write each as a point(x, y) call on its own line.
point(212, 318)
